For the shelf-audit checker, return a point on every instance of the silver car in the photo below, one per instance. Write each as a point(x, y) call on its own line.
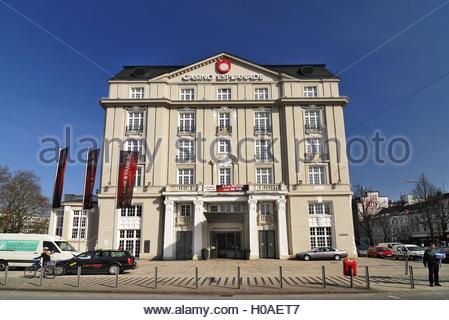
point(322, 253)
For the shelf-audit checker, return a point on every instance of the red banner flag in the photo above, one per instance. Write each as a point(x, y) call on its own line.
point(89, 181)
point(59, 180)
point(126, 178)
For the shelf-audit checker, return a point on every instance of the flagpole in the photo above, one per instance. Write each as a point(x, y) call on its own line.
point(56, 177)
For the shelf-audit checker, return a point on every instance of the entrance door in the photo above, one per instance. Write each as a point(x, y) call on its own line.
point(267, 244)
point(184, 245)
point(226, 245)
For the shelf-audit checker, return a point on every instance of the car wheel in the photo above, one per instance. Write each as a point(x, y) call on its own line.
point(337, 257)
point(307, 257)
point(114, 269)
point(3, 265)
point(60, 270)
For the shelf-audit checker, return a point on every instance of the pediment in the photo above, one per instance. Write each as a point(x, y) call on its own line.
point(207, 70)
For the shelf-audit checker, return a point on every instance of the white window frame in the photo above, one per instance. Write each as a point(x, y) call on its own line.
point(136, 145)
point(80, 216)
point(186, 175)
point(187, 94)
point(225, 175)
point(224, 119)
point(317, 175)
point(224, 94)
point(320, 237)
point(310, 91)
point(130, 240)
point(186, 149)
point(224, 146)
point(186, 121)
point(264, 175)
point(314, 146)
point(320, 208)
point(262, 120)
point(136, 92)
point(260, 93)
point(263, 150)
point(135, 121)
point(266, 208)
point(139, 176)
point(312, 119)
point(59, 223)
point(185, 210)
point(133, 211)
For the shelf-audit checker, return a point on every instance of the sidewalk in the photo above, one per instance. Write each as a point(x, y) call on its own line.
point(219, 277)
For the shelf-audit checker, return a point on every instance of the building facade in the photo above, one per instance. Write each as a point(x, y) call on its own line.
point(72, 223)
point(236, 157)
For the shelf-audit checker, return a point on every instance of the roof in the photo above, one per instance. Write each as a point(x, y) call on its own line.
point(76, 198)
point(317, 71)
point(299, 71)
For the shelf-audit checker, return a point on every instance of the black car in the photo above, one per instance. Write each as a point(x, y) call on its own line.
point(99, 261)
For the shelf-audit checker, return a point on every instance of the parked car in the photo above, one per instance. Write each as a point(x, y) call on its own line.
point(19, 249)
point(99, 261)
point(445, 251)
point(410, 251)
point(322, 253)
point(388, 245)
point(379, 252)
point(362, 250)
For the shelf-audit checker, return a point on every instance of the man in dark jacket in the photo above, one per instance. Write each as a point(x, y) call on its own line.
point(432, 262)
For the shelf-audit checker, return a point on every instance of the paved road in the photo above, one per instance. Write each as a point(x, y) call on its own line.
point(440, 293)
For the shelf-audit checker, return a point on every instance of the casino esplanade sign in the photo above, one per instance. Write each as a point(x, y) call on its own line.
point(222, 66)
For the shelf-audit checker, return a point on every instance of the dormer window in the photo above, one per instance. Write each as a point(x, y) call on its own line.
point(136, 93)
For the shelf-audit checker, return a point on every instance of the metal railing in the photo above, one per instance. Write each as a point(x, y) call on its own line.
point(267, 187)
point(315, 156)
point(185, 158)
point(134, 129)
point(223, 130)
point(186, 130)
point(182, 187)
point(310, 128)
point(265, 219)
point(183, 221)
point(262, 130)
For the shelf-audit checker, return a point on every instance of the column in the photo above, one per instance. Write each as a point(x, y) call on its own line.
point(282, 229)
point(197, 229)
point(253, 234)
point(169, 241)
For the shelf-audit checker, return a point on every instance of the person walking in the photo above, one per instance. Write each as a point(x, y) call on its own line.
point(432, 262)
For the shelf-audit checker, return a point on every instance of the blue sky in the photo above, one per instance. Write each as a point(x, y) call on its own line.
point(44, 85)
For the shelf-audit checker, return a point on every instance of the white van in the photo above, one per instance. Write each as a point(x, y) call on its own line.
point(19, 249)
point(410, 251)
point(388, 245)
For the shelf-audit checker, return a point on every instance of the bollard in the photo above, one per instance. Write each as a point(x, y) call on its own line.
point(323, 276)
point(41, 277)
point(117, 271)
point(155, 277)
point(79, 276)
point(6, 275)
point(196, 277)
point(281, 278)
point(238, 277)
point(406, 265)
point(351, 280)
point(367, 277)
point(412, 280)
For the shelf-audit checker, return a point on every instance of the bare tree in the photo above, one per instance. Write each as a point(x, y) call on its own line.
point(383, 223)
point(366, 210)
point(426, 192)
point(21, 199)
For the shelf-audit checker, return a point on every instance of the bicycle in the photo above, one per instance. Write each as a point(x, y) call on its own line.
point(49, 269)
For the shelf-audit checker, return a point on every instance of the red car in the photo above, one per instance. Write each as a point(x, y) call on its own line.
point(380, 252)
